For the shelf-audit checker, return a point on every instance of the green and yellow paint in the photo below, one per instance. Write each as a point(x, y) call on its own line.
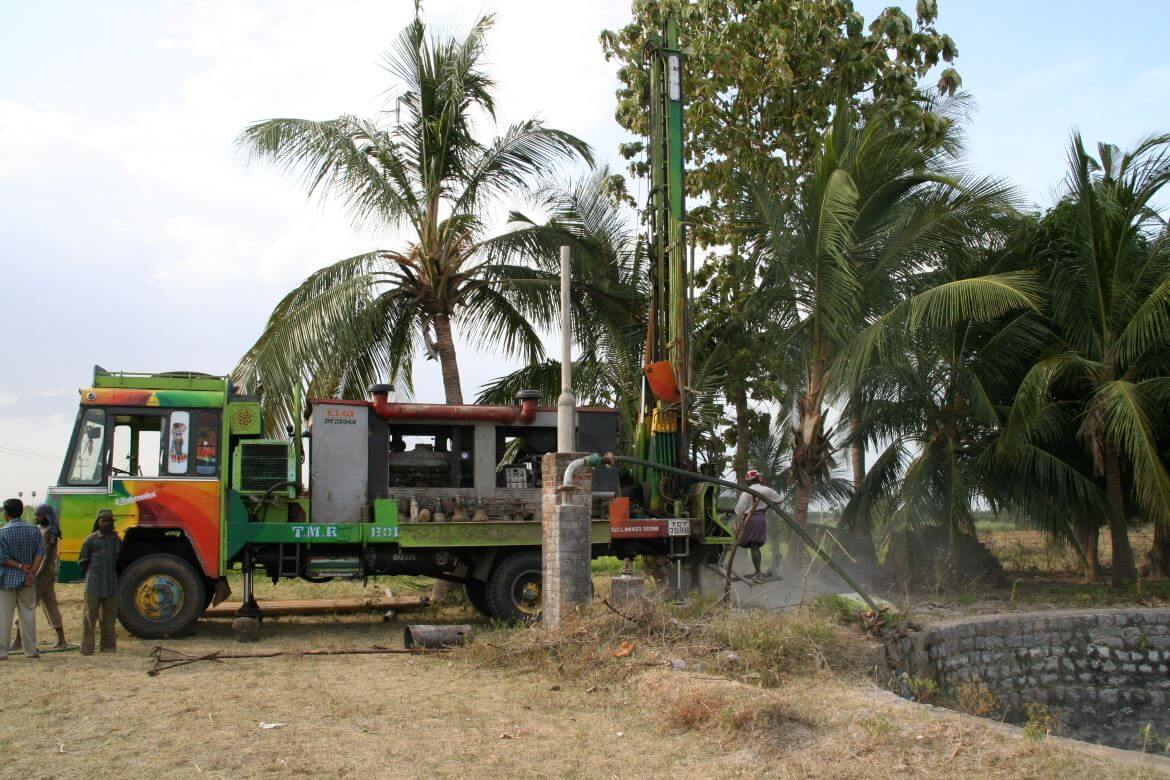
point(192, 506)
point(171, 399)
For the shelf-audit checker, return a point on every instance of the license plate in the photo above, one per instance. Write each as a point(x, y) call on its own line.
point(678, 527)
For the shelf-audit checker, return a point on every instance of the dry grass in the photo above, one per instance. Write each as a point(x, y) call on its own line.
point(765, 647)
point(975, 698)
point(1031, 553)
point(491, 714)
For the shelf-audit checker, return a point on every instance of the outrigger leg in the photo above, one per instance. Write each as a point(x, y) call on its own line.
point(246, 626)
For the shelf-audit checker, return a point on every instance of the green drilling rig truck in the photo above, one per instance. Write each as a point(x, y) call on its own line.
point(446, 491)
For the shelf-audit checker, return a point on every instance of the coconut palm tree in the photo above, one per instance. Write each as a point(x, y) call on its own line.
point(1110, 290)
point(363, 318)
point(591, 216)
point(866, 222)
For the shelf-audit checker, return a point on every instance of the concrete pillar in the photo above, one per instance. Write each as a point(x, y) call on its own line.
point(565, 546)
point(567, 402)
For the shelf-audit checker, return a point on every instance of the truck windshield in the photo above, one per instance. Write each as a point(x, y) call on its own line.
point(86, 467)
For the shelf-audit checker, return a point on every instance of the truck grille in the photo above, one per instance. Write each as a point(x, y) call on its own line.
point(262, 466)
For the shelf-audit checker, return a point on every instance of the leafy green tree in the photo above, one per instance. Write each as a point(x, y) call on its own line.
point(364, 318)
point(734, 321)
point(1110, 290)
point(761, 79)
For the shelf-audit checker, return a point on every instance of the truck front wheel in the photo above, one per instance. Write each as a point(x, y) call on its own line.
point(514, 587)
point(160, 596)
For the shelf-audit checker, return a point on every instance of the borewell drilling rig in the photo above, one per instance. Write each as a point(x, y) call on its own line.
point(662, 432)
point(448, 491)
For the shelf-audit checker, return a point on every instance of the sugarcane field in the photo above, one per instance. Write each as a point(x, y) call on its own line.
point(640, 388)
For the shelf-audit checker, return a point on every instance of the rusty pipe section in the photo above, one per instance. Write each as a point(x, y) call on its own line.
point(434, 637)
point(525, 413)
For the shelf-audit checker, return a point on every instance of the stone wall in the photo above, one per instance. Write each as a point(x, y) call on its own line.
point(1103, 674)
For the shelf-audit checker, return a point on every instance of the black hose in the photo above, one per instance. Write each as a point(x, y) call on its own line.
point(268, 494)
point(800, 532)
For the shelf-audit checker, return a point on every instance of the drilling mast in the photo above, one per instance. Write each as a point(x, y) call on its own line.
point(662, 433)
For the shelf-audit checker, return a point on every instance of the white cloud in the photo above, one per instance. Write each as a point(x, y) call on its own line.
point(135, 201)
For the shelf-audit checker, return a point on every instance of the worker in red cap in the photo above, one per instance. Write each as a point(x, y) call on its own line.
point(752, 514)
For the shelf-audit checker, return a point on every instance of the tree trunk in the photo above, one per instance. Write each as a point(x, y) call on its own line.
point(445, 346)
point(1089, 538)
point(806, 453)
point(1123, 569)
point(742, 434)
point(856, 450)
point(1158, 558)
point(800, 517)
point(863, 546)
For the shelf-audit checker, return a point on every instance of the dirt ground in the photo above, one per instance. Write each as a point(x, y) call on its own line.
point(451, 716)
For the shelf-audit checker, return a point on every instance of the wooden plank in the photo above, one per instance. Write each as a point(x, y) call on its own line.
point(228, 609)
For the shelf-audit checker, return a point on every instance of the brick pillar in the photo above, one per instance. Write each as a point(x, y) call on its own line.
point(565, 546)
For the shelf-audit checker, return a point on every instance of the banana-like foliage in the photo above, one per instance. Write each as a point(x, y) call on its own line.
point(363, 319)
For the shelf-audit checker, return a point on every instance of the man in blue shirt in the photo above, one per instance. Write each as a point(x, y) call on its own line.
point(21, 551)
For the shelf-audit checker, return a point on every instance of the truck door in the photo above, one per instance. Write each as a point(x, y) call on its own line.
point(83, 488)
point(165, 467)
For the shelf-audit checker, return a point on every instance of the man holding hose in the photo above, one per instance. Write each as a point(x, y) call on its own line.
point(752, 516)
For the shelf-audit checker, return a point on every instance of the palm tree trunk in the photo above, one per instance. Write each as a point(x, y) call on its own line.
point(862, 532)
point(800, 517)
point(445, 346)
point(1123, 569)
point(1089, 538)
point(742, 433)
point(1158, 558)
point(806, 453)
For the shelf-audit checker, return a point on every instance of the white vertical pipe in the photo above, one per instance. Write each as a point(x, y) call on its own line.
point(566, 404)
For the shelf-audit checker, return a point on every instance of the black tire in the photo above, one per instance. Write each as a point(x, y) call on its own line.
point(514, 587)
point(160, 596)
point(477, 597)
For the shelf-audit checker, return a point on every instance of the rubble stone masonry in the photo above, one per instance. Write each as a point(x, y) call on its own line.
point(1103, 674)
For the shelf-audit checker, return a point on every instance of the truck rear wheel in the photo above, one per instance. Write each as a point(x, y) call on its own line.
point(514, 587)
point(477, 597)
point(160, 596)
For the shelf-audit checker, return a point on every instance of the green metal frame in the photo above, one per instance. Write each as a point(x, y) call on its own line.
point(141, 381)
point(502, 534)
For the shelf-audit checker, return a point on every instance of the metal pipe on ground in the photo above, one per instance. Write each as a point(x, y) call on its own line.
point(228, 609)
point(609, 459)
point(428, 636)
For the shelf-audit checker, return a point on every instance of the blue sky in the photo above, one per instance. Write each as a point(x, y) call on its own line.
point(133, 235)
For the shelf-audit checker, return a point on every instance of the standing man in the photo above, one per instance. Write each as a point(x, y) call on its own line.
point(46, 584)
point(21, 551)
point(98, 561)
point(752, 513)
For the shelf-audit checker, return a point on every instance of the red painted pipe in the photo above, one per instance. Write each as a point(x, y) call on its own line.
point(524, 413)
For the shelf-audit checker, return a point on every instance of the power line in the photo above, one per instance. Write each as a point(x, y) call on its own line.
point(25, 453)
